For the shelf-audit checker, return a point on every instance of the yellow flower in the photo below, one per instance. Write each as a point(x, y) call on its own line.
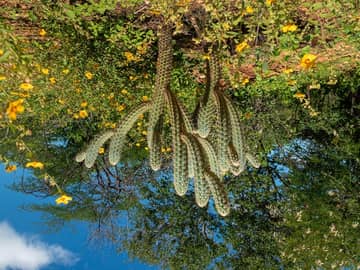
point(241, 46)
point(163, 149)
point(245, 81)
point(26, 86)
point(308, 61)
point(289, 28)
point(146, 148)
point(124, 92)
point(65, 71)
point(14, 108)
point(61, 101)
point(291, 82)
point(101, 150)
point(141, 49)
point(226, 26)
point(168, 149)
point(63, 199)
point(249, 10)
point(288, 70)
point(144, 132)
point(83, 114)
point(89, 75)
point(52, 80)
point(76, 116)
point(145, 98)
point(299, 95)
point(42, 32)
point(137, 144)
point(120, 108)
point(35, 165)
point(2, 78)
point(130, 57)
point(1, 52)
point(45, 71)
point(269, 2)
point(83, 104)
point(10, 168)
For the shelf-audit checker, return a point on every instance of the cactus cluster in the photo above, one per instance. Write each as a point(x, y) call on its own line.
point(206, 144)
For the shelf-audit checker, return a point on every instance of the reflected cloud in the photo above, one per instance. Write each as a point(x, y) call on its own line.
point(28, 253)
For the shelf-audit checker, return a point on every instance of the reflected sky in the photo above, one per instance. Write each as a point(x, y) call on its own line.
point(16, 223)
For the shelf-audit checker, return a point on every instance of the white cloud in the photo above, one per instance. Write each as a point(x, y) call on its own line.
point(28, 253)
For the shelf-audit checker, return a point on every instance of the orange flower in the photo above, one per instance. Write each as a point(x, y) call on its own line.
point(145, 98)
point(52, 80)
point(14, 108)
point(308, 61)
point(35, 165)
point(10, 168)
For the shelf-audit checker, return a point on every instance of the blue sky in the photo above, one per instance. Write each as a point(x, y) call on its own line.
point(24, 232)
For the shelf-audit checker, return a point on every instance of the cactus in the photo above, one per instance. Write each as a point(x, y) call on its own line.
point(163, 77)
point(202, 192)
point(118, 140)
point(181, 180)
point(207, 106)
point(92, 151)
point(211, 155)
point(155, 150)
point(236, 132)
point(222, 134)
point(253, 161)
point(221, 200)
point(193, 140)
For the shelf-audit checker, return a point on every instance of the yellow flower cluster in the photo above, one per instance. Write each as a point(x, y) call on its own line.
point(289, 28)
point(14, 108)
point(35, 165)
point(306, 104)
point(131, 57)
point(241, 46)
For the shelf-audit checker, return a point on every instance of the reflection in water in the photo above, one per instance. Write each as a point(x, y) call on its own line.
point(299, 210)
point(205, 147)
